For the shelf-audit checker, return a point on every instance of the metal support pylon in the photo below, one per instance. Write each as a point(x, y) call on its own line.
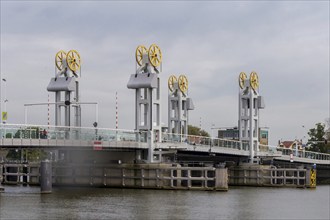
point(249, 104)
point(146, 83)
point(178, 107)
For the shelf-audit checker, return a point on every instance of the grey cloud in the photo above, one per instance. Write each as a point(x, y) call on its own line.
point(287, 43)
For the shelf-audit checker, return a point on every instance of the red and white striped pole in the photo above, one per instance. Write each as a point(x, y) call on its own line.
point(116, 110)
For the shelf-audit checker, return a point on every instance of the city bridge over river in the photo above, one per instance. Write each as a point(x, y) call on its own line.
point(149, 155)
point(104, 139)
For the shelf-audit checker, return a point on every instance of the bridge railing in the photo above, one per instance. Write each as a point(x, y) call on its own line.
point(15, 131)
point(304, 154)
point(203, 141)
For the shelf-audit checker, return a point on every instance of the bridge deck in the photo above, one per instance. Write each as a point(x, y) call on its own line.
point(34, 136)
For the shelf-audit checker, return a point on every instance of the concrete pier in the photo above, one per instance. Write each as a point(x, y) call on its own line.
point(155, 176)
point(46, 176)
point(267, 175)
point(221, 175)
point(127, 175)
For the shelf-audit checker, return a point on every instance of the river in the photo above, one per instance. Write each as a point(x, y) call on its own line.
point(18, 202)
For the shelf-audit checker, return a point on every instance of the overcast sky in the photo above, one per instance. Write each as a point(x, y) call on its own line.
point(286, 43)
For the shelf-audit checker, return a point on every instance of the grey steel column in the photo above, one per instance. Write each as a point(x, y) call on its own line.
point(240, 124)
point(57, 109)
point(78, 107)
point(148, 109)
point(150, 144)
point(251, 122)
point(45, 176)
point(137, 109)
point(67, 109)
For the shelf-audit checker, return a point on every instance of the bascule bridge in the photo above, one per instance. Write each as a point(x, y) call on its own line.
point(144, 157)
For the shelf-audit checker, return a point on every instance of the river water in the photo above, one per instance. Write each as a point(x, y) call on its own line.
point(18, 202)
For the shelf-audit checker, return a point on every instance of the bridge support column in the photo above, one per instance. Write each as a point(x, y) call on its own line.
point(138, 155)
point(178, 107)
point(147, 107)
point(69, 86)
point(58, 109)
point(249, 104)
point(151, 147)
point(67, 121)
point(46, 176)
point(221, 178)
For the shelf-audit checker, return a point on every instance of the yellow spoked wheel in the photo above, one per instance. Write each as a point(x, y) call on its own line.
point(140, 50)
point(155, 55)
point(254, 80)
point(73, 60)
point(241, 79)
point(183, 83)
point(59, 57)
point(171, 81)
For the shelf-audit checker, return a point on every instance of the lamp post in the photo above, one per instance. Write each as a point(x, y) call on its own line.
point(304, 136)
point(303, 139)
point(212, 128)
point(4, 101)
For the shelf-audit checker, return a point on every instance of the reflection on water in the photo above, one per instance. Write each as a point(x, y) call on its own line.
point(104, 203)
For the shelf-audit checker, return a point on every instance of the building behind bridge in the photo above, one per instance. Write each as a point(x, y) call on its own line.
point(233, 134)
point(292, 144)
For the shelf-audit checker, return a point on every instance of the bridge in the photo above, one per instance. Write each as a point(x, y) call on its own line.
point(90, 155)
point(21, 136)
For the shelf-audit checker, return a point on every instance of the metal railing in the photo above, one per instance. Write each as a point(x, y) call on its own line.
point(17, 131)
point(21, 131)
point(203, 141)
point(301, 153)
point(304, 154)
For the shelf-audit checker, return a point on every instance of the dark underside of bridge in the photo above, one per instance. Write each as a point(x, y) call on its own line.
point(205, 157)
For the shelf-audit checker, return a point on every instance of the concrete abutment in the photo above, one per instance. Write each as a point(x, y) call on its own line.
point(159, 175)
point(268, 175)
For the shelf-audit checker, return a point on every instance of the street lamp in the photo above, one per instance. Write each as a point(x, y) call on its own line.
point(212, 128)
point(304, 136)
point(5, 100)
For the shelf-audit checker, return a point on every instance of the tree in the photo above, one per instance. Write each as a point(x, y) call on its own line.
point(327, 131)
point(317, 140)
point(29, 154)
point(193, 130)
point(14, 154)
point(29, 132)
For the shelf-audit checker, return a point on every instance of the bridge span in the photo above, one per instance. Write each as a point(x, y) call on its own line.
point(147, 157)
point(19, 136)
